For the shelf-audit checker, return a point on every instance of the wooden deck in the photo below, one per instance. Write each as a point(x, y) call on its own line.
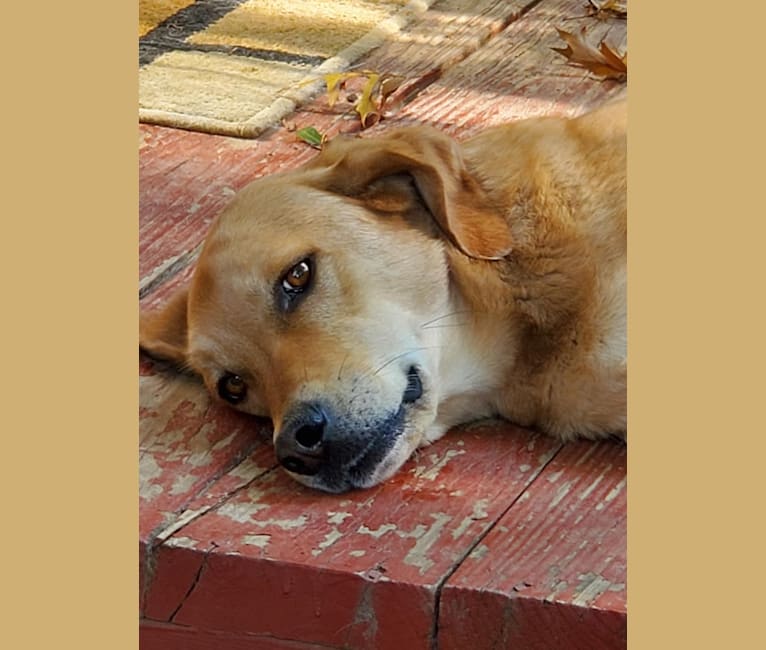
point(494, 537)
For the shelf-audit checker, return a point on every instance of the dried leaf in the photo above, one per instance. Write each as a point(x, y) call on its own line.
point(310, 135)
point(335, 82)
point(368, 103)
point(367, 107)
point(601, 60)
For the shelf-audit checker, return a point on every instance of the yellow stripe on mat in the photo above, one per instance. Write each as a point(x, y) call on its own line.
point(152, 12)
point(238, 95)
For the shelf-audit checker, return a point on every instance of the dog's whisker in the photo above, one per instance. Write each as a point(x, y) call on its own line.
point(448, 315)
point(434, 327)
point(404, 354)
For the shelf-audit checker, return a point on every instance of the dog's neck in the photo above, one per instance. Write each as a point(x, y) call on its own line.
point(470, 370)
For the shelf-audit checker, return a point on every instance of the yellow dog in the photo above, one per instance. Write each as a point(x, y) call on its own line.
point(397, 286)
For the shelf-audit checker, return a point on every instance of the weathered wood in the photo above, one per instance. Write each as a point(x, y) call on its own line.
point(280, 559)
point(161, 636)
point(551, 573)
point(192, 455)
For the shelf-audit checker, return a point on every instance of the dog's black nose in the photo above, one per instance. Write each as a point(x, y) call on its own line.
point(300, 445)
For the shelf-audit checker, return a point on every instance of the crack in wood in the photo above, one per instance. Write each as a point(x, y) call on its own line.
point(195, 582)
point(479, 539)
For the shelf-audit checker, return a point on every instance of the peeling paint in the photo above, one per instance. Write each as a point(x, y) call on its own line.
point(417, 556)
point(337, 517)
point(589, 490)
point(357, 553)
point(560, 586)
point(183, 542)
point(612, 495)
point(524, 468)
point(148, 470)
point(182, 484)
point(552, 477)
point(478, 514)
point(261, 541)
point(431, 473)
point(329, 539)
point(284, 524)
point(184, 518)
point(378, 533)
point(247, 470)
point(479, 552)
point(242, 513)
point(560, 494)
point(590, 587)
point(366, 617)
point(615, 490)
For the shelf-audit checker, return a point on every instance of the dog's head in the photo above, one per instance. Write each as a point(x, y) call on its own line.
point(313, 293)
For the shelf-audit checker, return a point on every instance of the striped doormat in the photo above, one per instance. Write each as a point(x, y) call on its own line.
point(236, 67)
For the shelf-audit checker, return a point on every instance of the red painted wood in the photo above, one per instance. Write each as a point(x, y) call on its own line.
point(516, 74)
point(192, 455)
point(359, 569)
point(552, 571)
point(186, 442)
point(186, 179)
point(162, 636)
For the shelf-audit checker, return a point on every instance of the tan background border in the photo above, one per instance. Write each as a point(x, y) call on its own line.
point(69, 323)
point(696, 457)
point(69, 271)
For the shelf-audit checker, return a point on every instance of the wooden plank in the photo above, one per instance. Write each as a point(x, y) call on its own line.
point(361, 569)
point(186, 442)
point(551, 573)
point(185, 180)
point(517, 75)
point(193, 453)
point(162, 636)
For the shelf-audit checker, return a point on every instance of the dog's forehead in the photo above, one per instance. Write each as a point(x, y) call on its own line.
point(271, 224)
point(275, 219)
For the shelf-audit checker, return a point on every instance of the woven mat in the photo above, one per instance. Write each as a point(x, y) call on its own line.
point(236, 67)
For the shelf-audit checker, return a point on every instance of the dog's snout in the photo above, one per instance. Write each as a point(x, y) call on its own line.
point(300, 445)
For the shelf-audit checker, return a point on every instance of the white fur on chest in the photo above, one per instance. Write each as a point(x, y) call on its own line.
point(471, 369)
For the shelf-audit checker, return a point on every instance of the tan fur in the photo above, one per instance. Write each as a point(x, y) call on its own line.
point(496, 266)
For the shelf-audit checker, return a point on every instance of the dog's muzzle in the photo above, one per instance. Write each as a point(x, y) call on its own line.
point(337, 452)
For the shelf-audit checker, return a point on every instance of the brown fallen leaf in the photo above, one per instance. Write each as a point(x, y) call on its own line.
point(601, 60)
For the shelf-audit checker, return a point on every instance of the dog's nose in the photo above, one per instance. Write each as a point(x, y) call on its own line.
point(299, 445)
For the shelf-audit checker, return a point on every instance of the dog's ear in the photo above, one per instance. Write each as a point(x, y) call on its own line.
point(452, 195)
point(162, 333)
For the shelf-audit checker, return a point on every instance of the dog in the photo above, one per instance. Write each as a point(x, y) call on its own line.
point(396, 286)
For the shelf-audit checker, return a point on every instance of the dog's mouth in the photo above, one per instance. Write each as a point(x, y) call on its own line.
point(414, 390)
point(361, 469)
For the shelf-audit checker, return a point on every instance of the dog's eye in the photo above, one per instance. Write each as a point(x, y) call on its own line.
point(297, 279)
point(232, 388)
